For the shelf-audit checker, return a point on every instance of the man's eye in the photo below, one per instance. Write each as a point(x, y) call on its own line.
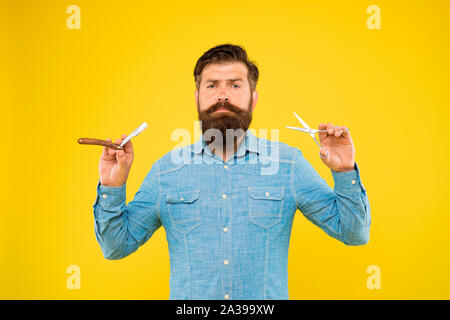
point(210, 85)
point(237, 86)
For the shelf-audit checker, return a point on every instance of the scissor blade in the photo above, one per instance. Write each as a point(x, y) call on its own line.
point(300, 129)
point(317, 142)
point(301, 121)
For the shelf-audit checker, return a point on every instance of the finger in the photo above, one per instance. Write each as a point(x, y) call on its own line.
point(128, 147)
point(345, 132)
point(105, 152)
point(337, 131)
point(120, 156)
point(322, 135)
point(120, 153)
point(330, 129)
point(110, 150)
point(118, 142)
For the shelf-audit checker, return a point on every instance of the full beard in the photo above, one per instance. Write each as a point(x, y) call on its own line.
point(224, 128)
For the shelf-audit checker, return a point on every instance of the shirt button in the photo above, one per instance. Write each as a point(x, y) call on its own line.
point(104, 196)
point(225, 229)
point(225, 167)
point(353, 182)
point(224, 196)
point(225, 262)
point(181, 199)
point(267, 194)
point(226, 296)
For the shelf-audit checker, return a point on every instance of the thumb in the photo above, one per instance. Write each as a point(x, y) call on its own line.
point(324, 155)
point(120, 156)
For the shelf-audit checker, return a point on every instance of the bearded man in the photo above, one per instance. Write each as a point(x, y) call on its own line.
point(228, 223)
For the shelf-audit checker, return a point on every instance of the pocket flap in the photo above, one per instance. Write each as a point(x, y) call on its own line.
point(266, 193)
point(182, 197)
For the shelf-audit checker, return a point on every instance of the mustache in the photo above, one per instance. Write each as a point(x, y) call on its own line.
point(223, 105)
point(236, 118)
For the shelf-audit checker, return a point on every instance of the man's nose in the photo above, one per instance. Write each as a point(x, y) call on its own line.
point(223, 95)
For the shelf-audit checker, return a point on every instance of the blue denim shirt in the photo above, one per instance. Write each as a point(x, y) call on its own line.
point(228, 224)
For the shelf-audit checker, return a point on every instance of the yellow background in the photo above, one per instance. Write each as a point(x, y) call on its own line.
point(133, 62)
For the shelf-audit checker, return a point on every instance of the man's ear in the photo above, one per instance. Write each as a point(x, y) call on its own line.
point(196, 95)
point(255, 99)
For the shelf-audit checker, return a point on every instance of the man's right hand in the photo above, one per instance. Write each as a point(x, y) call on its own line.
point(116, 164)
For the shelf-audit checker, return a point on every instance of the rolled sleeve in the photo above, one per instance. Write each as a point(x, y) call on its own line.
point(120, 228)
point(110, 197)
point(343, 213)
point(348, 181)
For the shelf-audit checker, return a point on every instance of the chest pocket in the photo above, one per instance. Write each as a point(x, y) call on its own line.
point(184, 211)
point(265, 205)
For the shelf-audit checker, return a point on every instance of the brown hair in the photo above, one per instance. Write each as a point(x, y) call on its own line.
point(227, 53)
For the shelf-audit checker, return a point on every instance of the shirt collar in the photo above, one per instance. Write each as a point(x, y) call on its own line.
point(250, 143)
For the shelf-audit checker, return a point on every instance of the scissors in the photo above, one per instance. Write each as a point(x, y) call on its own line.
point(307, 129)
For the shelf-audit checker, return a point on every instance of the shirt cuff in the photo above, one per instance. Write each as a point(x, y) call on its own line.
point(348, 181)
point(109, 197)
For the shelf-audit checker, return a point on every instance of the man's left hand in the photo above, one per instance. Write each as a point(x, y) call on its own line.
point(337, 150)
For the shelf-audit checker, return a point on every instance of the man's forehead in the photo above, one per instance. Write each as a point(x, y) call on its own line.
point(225, 71)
